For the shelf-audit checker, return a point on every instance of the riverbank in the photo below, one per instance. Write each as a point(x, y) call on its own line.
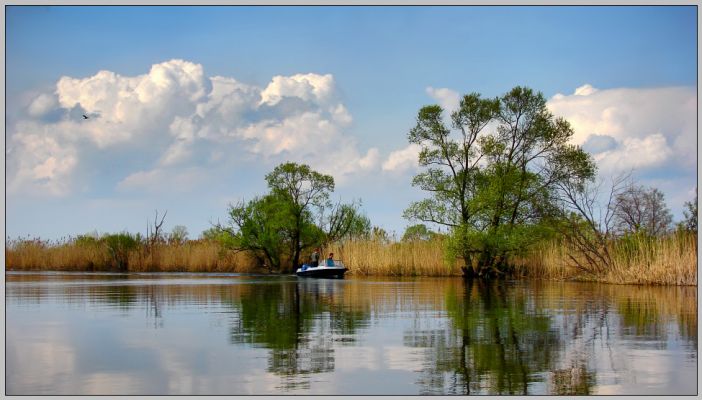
point(671, 260)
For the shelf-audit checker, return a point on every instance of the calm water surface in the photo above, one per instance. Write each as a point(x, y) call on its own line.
point(235, 334)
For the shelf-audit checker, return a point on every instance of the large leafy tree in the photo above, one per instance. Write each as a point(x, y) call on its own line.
point(493, 173)
point(303, 191)
point(342, 221)
point(295, 215)
point(260, 226)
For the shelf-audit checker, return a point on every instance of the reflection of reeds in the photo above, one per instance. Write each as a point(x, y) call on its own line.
point(641, 308)
point(670, 260)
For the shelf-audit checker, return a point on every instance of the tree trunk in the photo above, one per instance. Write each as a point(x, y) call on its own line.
point(467, 268)
point(489, 266)
point(296, 258)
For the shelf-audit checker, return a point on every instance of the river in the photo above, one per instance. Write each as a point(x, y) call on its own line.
point(232, 334)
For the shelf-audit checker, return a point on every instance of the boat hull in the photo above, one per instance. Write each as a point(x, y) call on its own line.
point(337, 273)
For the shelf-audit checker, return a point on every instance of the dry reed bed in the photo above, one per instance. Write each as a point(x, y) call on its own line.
point(193, 256)
point(670, 260)
point(373, 257)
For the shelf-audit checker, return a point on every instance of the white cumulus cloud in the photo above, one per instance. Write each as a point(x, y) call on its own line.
point(35, 158)
point(403, 159)
point(173, 119)
point(42, 104)
point(651, 127)
point(635, 153)
point(650, 131)
point(308, 87)
point(448, 99)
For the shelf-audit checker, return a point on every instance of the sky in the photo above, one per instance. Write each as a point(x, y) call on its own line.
point(189, 107)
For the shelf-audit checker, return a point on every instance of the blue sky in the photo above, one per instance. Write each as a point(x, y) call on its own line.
point(354, 75)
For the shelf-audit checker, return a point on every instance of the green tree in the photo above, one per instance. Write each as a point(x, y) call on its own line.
point(496, 190)
point(303, 191)
point(119, 245)
point(260, 226)
point(295, 215)
point(343, 221)
point(690, 212)
point(417, 232)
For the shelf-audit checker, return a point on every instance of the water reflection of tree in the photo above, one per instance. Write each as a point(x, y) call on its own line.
point(497, 338)
point(298, 323)
point(496, 343)
point(122, 297)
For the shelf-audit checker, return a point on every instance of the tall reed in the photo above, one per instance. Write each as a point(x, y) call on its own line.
point(73, 255)
point(669, 260)
point(377, 257)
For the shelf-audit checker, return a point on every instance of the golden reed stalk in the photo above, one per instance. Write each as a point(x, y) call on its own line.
point(193, 256)
point(670, 260)
point(375, 257)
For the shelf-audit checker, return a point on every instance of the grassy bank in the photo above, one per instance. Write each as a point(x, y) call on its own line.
point(671, 260)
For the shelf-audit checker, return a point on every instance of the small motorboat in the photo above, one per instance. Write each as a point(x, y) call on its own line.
point(324, 270)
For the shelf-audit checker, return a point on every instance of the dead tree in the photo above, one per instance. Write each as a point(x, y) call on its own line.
point(154, 235)
point(640, 209)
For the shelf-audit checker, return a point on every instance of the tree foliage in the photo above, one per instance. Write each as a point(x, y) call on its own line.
point(295, 215)
point(257, 227)
point(690, 213)
point(417, 232)
point(300, 192)
point(343, 221)
point(492, 174)
point(119, 246)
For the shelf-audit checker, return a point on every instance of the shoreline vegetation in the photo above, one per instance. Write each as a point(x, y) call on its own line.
point(668, 260)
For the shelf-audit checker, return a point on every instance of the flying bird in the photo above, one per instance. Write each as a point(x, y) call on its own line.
point(85, 116)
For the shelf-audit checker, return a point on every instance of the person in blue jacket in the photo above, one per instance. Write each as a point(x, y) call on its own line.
point(330, 260)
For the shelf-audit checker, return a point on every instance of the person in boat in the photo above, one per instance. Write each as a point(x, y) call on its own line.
point(330, 260)
point(314, 259)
